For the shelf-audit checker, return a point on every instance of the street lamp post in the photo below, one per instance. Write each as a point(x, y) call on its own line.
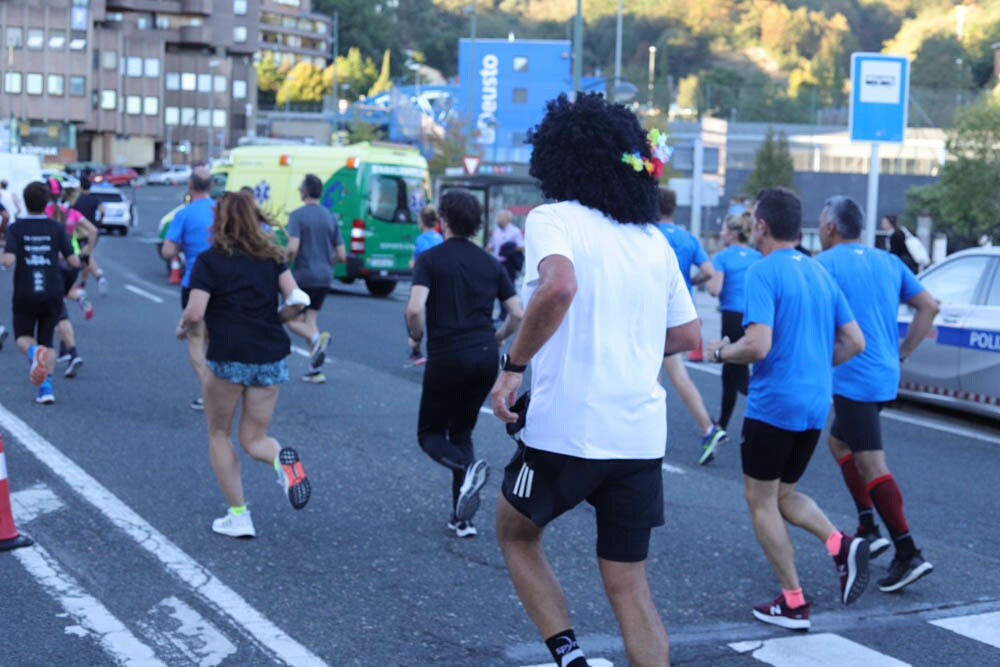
point(618, 46)
point(578, 48)
point(212, 64)
point(472, 69)
point(652, 69)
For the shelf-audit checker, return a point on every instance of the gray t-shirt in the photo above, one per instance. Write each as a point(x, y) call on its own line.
point(319, 234)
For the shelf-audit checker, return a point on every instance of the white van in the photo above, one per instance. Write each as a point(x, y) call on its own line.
point(19, 169)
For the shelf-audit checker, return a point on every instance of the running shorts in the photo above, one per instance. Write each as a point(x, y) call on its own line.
point(857, 424)
point(769, 452)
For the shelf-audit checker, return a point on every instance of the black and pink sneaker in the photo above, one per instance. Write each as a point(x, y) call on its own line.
point(780, 614)
point(852, 567)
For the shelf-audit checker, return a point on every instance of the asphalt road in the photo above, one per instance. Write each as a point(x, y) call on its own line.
point(113, 483)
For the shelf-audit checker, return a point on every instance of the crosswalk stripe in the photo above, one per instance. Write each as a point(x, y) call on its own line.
point(819, 650)
point(981, 627)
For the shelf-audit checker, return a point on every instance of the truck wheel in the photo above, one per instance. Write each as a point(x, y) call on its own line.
point(380, 287)
point(346, 281)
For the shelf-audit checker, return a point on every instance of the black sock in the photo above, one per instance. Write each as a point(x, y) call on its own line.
point(62, 348)
point(71, 351)
point(866, 520)
point(566, 650)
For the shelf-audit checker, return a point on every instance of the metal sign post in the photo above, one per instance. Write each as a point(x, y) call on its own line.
point(880, 95)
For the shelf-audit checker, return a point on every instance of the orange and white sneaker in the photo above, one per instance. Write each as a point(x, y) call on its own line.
point(292, 478)
point(39, 367)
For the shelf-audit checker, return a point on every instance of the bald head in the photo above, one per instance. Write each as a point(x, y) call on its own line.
point(201, 181)
point(503, 218)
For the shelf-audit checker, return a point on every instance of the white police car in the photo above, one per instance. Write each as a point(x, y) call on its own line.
point(959, 365)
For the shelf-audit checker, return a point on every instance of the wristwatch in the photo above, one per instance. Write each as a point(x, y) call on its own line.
point(718, 353)
point(507, 365)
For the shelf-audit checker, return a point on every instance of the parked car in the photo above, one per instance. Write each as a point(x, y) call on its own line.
point(117, 176)
point(65, 180)
point(959, 365)
point(118, 211)
point(175, 174)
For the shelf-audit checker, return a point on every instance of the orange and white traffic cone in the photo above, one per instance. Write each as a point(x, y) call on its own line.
point(9, 537)
point(696, 354)
point(175, 271)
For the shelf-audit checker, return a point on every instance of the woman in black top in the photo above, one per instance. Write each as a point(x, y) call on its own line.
point(454, 286)
point(234, 287)
point(896, 241)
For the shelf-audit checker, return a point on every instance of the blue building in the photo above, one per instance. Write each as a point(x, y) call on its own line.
point(509, 82)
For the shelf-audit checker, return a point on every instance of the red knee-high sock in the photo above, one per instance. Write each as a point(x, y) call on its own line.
point(856, 485)
point(889, 502)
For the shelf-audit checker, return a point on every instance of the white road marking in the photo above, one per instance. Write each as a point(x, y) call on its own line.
point(93, 618)
point(143, 293)
point(819, 650)
point(925, 422)
point(195, 638)
point(981, 627)
point(674, 469)
point(201, 581)
point(593, 662)
point(33, 502)
point(704, 367)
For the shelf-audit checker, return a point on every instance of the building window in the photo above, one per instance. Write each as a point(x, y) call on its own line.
point(188, 81)
point(187, 116)
point(109, 59)
point(133, 66)
point(57, 40)
point(203, 117)
point(33, 84)
point(152, 67)
point(78, 86)
point(520, 63)
point(36, 39)
point(204, 83)
point(57, 84)
point(219, 117)
point(81, 3)
point(12, 83)
point(78, 42)
point(151, 105)
point(240, 7)
point(220, 83)
point(520, 96)
point(239, 90)
point(239, 34)
point(109, 100)
point(173, 81)
point(171, 116)
point(133, 105)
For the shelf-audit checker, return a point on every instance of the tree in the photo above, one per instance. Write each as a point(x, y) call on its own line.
point(304, 83)
point(773, 165)
point(269, 75)
point(384, 81)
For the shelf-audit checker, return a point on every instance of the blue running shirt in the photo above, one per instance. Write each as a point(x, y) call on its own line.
point(190, 229)
point(734, 262)
point(687, 247)
point(874, 282)
point(793, 294)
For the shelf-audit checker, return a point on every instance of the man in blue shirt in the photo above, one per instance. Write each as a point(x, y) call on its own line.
point(874, 283)
point(189, 231)
point(690, 254)
point(796, 321)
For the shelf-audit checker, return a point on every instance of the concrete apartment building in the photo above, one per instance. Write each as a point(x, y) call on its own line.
point(136, 82)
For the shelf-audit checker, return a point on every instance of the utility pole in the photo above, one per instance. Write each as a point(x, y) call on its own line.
point(336, 89)
point(618, 47)
point(578, 48)
point(472, 73)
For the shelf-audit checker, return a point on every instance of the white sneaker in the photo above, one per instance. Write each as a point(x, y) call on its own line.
point(235, 526)
point(462, 528)
point(102, 286)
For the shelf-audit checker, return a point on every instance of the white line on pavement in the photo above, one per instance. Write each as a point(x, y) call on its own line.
point(704, 367)
point(944, 427)
point(197, 639)
point(33, 502)
point(201, 581)
point(593, 662)
point(811, 650)
point(981, 627)
point(143, 293)
point(93, 617)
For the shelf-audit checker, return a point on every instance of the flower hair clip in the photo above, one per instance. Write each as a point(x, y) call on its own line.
point(660, 151)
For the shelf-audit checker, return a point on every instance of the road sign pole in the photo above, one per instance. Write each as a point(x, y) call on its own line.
point(871, 207)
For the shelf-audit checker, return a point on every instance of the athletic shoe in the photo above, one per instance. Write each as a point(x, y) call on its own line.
point(39, 371)
point(45, 394)
point(292, 478)
point(87, 308)
point(852, 567)
point(235, 526)
point(902, 573)
point(415, 359)
point(74, 365)
point(462, 528)
point(3, 335)
point(198, 404)
point(468, 495)
point(877, 545)
point(314, 377)
point(318, 355)
point(102, 286)
point(63, 358)
point(710, 443)
point(780, 614)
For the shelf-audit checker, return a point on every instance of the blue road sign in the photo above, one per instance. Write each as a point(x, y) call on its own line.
point(880, 92)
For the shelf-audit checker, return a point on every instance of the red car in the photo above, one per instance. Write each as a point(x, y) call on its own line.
point(117, 176)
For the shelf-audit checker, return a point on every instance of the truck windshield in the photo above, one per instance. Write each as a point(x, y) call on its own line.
point(395, 198)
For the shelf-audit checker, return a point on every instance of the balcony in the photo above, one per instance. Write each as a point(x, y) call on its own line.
point(202, 7)
point(143, 5)
point(196, 34)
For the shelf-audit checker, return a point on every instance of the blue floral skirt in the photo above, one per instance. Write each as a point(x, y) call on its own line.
point(250, 375)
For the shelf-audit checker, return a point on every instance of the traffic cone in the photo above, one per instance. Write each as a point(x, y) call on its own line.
point(696, 354)
point(175, 271)
point(9, 537)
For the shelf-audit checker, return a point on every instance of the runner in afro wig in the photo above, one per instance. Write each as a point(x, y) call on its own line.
point(577, 155)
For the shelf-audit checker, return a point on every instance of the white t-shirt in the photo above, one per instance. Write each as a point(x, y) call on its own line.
point(504, 235)
point(7, 199)
point(595, 392)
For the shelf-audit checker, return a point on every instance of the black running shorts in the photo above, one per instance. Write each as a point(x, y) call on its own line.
point(857, 424)
point(626, 493)
point(36, 319)
point(769, 452)
point(317, 295)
